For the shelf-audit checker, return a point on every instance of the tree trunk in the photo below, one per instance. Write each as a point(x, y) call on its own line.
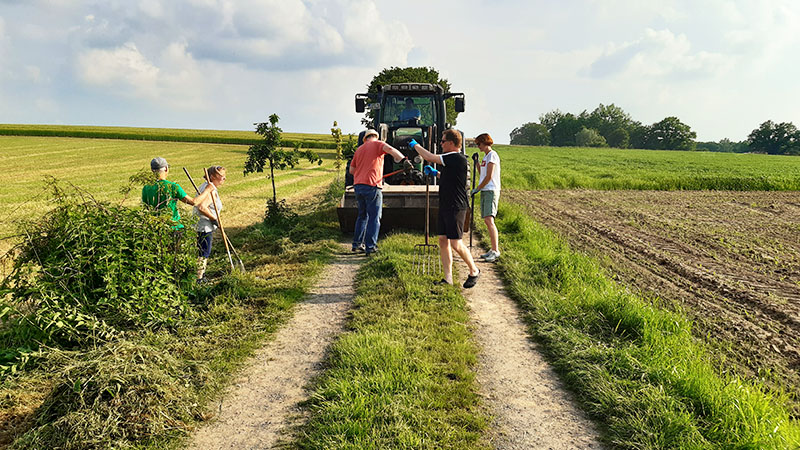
point(272, 176)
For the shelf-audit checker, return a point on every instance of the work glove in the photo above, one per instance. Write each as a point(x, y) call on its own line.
point(475, 191)
point(428, 170)
point(407, 166)
point(412, 143)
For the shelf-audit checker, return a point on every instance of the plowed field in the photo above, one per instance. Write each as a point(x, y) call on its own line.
point(730, 260)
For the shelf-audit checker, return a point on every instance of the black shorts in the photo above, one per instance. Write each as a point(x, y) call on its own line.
point(451, 223)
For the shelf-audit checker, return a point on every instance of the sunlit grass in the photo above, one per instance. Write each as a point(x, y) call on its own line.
point(568, 167)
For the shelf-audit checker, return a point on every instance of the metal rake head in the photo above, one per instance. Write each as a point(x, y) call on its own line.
point(426, 259)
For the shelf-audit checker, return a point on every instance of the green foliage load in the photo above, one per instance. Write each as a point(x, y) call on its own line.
point(88, 271)
point(410, 75)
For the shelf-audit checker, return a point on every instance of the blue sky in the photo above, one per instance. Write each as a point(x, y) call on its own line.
point(722, 67)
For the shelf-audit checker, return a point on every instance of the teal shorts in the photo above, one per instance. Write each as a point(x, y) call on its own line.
point(489, 203)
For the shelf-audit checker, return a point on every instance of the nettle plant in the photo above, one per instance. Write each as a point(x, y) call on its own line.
point(89, 271)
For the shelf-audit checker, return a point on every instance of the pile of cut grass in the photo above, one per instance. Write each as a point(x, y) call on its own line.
point(530, 168)
point(307, 140)
point(150, 389)
point(402, 377)
point(636, 368)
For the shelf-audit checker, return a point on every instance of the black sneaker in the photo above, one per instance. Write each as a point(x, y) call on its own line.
point(471, 281)
point(371, 252)
point(441, 282)
point(358, 248)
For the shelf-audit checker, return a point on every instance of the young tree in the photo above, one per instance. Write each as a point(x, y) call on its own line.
point(270, 152)
point(336, 133)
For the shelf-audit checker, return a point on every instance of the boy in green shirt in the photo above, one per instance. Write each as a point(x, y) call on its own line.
point(163, 194)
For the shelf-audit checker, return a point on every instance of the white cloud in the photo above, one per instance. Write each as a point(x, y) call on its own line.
point(123, 68)
point(658, 54)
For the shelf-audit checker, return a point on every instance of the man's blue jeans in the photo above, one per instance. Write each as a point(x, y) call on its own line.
point(368, 223)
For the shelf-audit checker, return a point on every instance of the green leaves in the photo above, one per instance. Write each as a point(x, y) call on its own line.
point(89, 271)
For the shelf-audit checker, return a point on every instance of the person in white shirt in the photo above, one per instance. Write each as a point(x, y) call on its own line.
point(207, 211)
point(489, 187)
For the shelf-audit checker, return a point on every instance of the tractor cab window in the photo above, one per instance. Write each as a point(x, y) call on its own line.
point(401, 108)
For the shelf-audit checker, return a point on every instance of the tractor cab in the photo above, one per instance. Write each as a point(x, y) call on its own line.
point(399, 113)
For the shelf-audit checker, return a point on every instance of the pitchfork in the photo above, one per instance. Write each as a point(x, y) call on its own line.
point(426, 256)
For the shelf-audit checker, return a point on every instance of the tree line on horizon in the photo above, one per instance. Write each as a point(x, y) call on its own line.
point(610, 126)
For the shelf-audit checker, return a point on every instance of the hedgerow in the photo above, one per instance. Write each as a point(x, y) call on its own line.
point(90, 271)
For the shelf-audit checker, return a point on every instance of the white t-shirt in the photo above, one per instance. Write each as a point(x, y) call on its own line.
point(204, 224)
point(494, 183)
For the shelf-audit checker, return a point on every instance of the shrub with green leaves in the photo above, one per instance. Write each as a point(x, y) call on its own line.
point(88, 271)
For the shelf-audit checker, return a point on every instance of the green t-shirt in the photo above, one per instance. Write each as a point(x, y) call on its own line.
point(163, 195)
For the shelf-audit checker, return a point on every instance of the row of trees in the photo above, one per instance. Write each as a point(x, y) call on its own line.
point(610, 126)
point(606, 126)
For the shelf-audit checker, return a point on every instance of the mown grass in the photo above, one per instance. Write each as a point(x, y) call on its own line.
point(636, 368)
point(150, 389)
point(307, 140)
point(566, 167)
point(102, 166)
point(402, 376)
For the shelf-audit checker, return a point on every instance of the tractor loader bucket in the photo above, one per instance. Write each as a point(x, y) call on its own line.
point(403, 208)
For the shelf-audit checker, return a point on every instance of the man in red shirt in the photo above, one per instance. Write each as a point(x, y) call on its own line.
point(367, 170)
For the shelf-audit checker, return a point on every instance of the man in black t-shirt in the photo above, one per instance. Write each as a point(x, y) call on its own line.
point(453, 204)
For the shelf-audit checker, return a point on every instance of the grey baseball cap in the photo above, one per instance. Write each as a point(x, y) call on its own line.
point(158, 163)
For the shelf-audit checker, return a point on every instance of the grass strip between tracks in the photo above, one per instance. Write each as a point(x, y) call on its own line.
point(402, 376)
point(149, 389)
point(636, 369)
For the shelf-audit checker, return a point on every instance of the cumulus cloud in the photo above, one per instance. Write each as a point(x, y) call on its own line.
point(658, 54)
point(179, 82)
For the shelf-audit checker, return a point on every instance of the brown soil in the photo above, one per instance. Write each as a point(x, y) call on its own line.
point(529, 406)
point(730, 260)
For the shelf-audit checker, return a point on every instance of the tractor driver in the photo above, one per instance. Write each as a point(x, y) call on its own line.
point(410, 112)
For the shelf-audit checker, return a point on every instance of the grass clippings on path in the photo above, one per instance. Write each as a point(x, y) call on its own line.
point(636, 368)
point(402, 377)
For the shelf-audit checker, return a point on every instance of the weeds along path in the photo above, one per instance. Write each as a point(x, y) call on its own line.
point(261, 407)
point(728, 259)
point(529, 405)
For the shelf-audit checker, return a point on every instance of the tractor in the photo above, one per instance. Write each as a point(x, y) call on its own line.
point(403, 111)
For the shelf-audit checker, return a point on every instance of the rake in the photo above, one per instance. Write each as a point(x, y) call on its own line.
point(228, 243)
point(426, 256)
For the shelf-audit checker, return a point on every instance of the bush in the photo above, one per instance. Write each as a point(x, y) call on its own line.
point(88, 271)
point(589, 137)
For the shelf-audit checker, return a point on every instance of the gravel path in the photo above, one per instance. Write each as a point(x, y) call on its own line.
point(261, 407)
point(530, 407)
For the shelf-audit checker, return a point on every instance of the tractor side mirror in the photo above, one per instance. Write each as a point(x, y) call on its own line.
point(460, 104)
point(360, 105)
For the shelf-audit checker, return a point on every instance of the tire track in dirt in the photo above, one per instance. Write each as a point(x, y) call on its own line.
point(530, 407)
point(261, 408)
point(725, 261)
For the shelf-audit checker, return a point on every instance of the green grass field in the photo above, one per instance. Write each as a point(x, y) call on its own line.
point(608, 169)
point(102, 166)
point(161, 134)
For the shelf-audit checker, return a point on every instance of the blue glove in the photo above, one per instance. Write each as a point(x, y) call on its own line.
point(474, 191)
point(412, 143)
point(428, 170)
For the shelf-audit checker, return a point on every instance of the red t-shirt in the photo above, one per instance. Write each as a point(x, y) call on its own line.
point(368, 163)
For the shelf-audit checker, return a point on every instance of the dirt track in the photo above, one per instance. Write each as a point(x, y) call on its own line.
point(730, 259)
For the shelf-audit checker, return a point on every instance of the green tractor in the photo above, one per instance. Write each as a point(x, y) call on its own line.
point(403, 111)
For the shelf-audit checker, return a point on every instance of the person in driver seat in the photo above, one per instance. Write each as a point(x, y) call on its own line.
point(410, 112)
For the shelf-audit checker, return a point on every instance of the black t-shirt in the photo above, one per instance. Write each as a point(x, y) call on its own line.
point(453, 182)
